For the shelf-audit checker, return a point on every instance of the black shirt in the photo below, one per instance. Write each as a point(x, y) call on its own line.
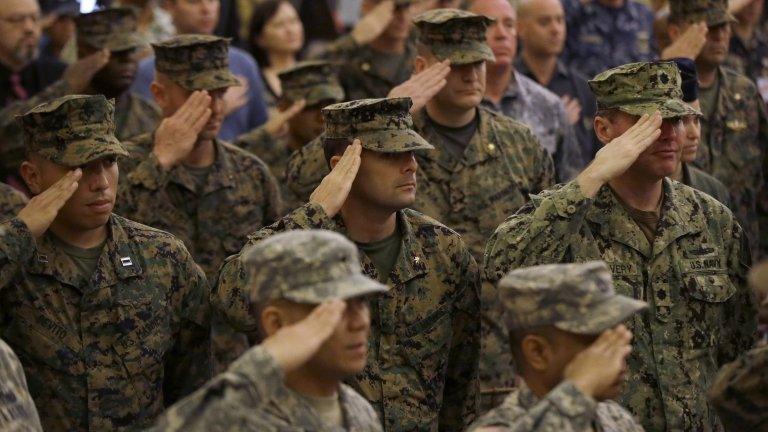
point(38, 75)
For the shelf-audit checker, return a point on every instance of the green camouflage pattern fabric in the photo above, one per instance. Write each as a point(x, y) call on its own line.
point(701, 313)
point(312, 81)
point(195, 62)
point(456, 35)
point(252, 396)
point(577, 298)
point(113, 29)
point(17, 409)
point(425, 331)
point(275, 152)
point(564, 409)
point(329, 263)
point(72, 130)
point(708, 184)
point(238, 183)
point(642, 88)
point(109, 354)
point(734, 150)
point(366, 73)
point(740, 392)
point(11, 202)
point(713, 12)
point(135, 116)
point(383, 125)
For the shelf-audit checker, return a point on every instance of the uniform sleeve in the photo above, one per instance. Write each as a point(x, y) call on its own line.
point(189, 364)
point(461, 395)
point(230, 298)
point(16, 247)
point(231, 399)
point(17, 409)
point(564, 409)
point(306, 169)
point(339, 49)
point(740, 392)
point(274, 207)
point(255, 140)
point(538, 233)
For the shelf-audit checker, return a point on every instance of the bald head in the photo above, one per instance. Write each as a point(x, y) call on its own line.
point(541, 27)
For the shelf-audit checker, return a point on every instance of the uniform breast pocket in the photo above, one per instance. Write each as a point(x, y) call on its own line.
point(705, 278)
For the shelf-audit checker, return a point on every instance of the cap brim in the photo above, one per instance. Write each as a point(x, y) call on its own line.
point(393, 141)
point(608, 314)
point(117, 43)
point(670, 108)
point(84, 151)
point(463, 53)
point(716, 18)
point(354, 286)
point(206, 80)
point(317, 94)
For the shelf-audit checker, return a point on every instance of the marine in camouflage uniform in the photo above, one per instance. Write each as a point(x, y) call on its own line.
point(367, 72)
point(578, 299)
point(106, 350)
point(115, 29)
point(735, 135)
point(692, 274)
point(189, 202)
point(17, 410)
point(425, 334)
point(317, 85)
point(740, 391)
point(255, 393)
point(11, 201)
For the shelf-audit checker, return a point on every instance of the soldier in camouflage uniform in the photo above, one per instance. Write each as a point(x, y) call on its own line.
point(666, 243)
point(293, 379)
point(114, 29)
point(182, 177)
point(371, 69)
point(110, 318)
point(17, 410)
point(316, 84)
point(691, 137)
point(573, 312)
point(425, 338)
point(11, 201)
point(734, 126)
point(740, 391)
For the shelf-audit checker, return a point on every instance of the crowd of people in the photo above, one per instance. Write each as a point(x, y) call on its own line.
point(440, 215)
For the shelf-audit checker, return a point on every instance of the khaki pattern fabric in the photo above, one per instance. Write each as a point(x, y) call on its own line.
point(714, 12)
point(17, 410)
point(112, 353)
point(711, 186)
point(135, 116)
point(11, 202)
point(425, 334)
point(251, 396)
point(693, 276)
point(195, 62)
point(114, 29)
point(564, 409)
point(740, 392)
point(312, 81)
point(734, 150)
point(456, 35)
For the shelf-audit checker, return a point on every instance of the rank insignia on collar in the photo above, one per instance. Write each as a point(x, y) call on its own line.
point(126, 261)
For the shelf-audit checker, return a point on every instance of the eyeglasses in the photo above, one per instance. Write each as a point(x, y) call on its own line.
point(20, 19)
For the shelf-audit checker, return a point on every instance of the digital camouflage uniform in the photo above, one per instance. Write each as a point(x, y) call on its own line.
point(734, 141)
point(109, 353)
point(115, 29)
point(253, 395)
point(238, 196)
point(17, 410)
point(576, 298)
point(315, 83)
point(704, 182)
point(425, 336)
point(693, 275)
point(11, 201)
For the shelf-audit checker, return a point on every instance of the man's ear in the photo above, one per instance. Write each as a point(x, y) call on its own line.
point(674, 31)
point(419, 64)
point(537, 352)
point(30, 172)
point(158, 92)
point(603, 129)
point(334, 160)
point(272, 320)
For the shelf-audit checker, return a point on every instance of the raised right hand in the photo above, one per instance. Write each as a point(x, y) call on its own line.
point(689, 44)
point(79, 74)
point(277, 125)
point(618, 155)
point(373, 24)
point(423, 86)
point(334, 189)
point(176, 136)
point(42, 209)
point(597, 370)
point(294, 345)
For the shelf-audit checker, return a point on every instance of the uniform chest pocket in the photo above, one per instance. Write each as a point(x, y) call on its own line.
point(706, 279)
point(426, 345)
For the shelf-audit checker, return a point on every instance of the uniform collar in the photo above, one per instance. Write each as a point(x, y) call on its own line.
point(220, 175)
point(482, 146)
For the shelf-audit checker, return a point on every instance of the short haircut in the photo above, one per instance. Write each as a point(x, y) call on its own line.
point(334, 147)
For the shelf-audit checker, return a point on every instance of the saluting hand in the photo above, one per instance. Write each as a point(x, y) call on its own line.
point(79, 74)
point(597, 371)
point(334, 189)
point(176, 136)
point(423, 86)
point(41, 211)
point(373, 24)
point(277, 125)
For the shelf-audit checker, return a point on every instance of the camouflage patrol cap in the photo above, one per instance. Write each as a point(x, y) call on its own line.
point(642, 88)
point(313, 81)
point(72, 130)
point(455, 34)
point(383, 125)
point(195, 62)
point(714, 12)
point(113, 29)
point(307, 266)
point(578, 298)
